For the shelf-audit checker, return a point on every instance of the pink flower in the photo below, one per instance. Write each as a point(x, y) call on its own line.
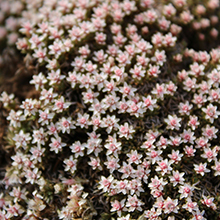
point(209, 154)
point(137, 72)
point(159, 91)
point(177, 178)
point(45, 117)
point(209, 132)
point(56, 144)
point(55, 77)
point(134, 157)
point(133, 203)
point(118, 206)
point(15, 118)
point(186, 190)
point(184, 108)
point(211, 112)
point(188, 136)
point(112, 146)
point(106, 183)
point(154, 71)
point(126, 169)
point(126, 131)
point(216, 167)
point(164, 167)
point(175, 156)
point(189, 151)
point(100, 38)
point(135, 187)
point(95, 163)
point(154, 155)
point(193, 122)
point(173, 122)
point(70, 164)
point(208, 201)
point(190, 205)
point(82, 120)
point(40, 54)
point(163, 23)
point(149, 103)
point(201, 168)
point(170, 205)
point(37, 153)
point(186, 17)
point(169, 10)
point(112, 163)
point(65, 125)
point(157, 184)
point(78, 149)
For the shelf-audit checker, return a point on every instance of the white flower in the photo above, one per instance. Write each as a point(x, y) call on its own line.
point(201, 168)
point(56, 144)
point(133, 203)
point(170, 205)
point(126, 131)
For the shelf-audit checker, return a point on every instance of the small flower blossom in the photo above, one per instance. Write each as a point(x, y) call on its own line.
point(39, 136)
point(118, 206)
point(133, 203)
point(216, 168)
point(135, 187)
point(173, 122)
point(149, 103)
point(126, 169)
point(56, 144)
point(186, 191)
point(190, 205)
point(159, 91)
point(40, 54)
point(177, 178)
point(15, 118)
point(188, 136)
point(193, 122)
point(153, 71)
point(6, 99)
point(45, 117)
point(209, 132)
point(82, 120)
point(164, 167)
point(209, 154)
point(154, 156)
point(175, 156)
point(70, 164)
point(55, 77)
point(189, 151)
point(112, 163)
point(106, 183)
point(201, 168)
point(184, 108)
point(78, 149)
point(37, 153)
point(65, 124)
point(134, 157)
point(208, 201)
point(126, 131)
point(39, 81)
point(22, 139)
point(171, 205)
point(95, 163)
point(211, 112)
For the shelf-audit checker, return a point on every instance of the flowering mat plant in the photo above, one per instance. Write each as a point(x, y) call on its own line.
point(110, 109)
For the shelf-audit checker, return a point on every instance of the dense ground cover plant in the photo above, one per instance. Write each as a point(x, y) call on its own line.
point(125, 123)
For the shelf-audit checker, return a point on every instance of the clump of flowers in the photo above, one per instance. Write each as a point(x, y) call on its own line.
point(126, 123)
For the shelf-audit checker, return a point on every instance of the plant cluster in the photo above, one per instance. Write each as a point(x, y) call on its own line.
point(126, 122)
